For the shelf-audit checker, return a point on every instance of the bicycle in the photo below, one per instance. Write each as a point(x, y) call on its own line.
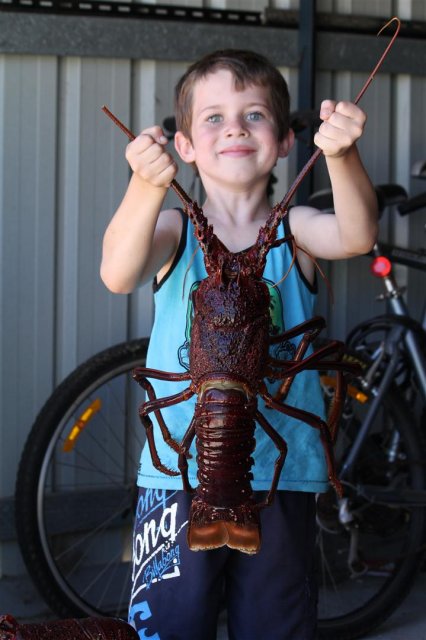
point(371, 542)
point(74, 512)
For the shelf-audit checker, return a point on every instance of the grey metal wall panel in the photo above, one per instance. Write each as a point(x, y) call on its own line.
point(354, 290)
point(91, 175)
point(28, 97)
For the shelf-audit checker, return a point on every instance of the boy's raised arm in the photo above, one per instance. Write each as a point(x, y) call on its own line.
point(139, 241)
point(353, 228)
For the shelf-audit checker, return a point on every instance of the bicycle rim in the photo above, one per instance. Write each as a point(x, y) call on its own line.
point(366, 568)
point(81, 462)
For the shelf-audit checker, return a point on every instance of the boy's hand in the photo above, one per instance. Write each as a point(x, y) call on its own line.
point(148, 159)
point(343, 123)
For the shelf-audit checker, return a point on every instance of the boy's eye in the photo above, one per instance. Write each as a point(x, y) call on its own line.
point(254, 116)
point(216, 117)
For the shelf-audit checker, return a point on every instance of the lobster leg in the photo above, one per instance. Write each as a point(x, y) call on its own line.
point(314, 361)
point(281, 445)
point(184, 455)
point(336, 405)
point(143, 372)
point(154, 406)
point(313, 421)
point(310, 327)
point(163, 427)
point(297, 364)
point(140, 375)
point(149, 429)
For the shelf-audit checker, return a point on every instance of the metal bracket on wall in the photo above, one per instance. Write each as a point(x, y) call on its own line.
point(268, 17)
point(133, 10)
point(130, 30)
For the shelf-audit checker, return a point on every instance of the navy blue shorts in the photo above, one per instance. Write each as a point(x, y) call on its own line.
point(177, 594)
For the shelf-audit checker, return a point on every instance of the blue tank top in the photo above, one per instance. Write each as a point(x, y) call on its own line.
point(292, 302)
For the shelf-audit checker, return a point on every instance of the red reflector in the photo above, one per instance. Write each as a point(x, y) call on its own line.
point(381, 266)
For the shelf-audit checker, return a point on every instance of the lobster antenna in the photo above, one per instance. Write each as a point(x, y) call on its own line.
point(180, 192)
point(308, 166)
point(187, 270)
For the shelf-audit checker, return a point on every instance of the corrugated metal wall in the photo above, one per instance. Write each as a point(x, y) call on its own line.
point(62, 174)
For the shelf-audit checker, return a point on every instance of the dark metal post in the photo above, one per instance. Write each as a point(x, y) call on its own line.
point(306, 92)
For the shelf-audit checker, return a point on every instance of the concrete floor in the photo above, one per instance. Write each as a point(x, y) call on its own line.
point(19, 598)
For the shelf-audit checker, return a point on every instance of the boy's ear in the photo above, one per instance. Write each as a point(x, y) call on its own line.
point(184, 147)
point(286, 144)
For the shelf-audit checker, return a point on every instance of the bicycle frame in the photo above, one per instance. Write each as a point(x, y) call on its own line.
point(399, 308)
point(403, 335)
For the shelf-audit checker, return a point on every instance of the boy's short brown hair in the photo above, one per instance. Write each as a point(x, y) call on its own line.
point(248, 68)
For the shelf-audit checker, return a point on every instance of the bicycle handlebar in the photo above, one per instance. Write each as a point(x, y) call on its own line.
point(419, 169)
point(412, 204)
point(388, 195)
point(415, 258)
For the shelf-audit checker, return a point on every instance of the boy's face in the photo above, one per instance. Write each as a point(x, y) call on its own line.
point(233, 133)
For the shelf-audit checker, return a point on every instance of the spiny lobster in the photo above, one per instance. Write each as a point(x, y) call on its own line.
point(229, 360)
point(72, 629)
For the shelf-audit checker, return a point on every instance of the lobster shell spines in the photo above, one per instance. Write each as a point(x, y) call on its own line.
point(230, 331)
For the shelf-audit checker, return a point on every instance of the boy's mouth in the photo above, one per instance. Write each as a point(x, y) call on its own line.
point(237, 151)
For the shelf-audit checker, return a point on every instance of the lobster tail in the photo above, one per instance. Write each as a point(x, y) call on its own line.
point(213, 527)
point(223, 511)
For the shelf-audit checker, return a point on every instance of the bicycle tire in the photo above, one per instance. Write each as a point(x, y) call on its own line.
point(75, 487)
point(357, 594)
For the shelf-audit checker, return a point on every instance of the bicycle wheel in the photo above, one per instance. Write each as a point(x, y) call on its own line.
point(75, 489)
point(369, 552)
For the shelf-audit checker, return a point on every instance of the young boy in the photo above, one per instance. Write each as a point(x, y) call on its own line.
point(232, 113)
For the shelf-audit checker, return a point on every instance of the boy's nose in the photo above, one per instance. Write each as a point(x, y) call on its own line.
point(236, 127)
